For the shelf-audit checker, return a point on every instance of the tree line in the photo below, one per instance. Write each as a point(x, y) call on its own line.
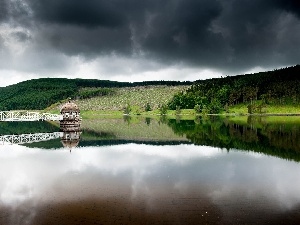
point(281, 86)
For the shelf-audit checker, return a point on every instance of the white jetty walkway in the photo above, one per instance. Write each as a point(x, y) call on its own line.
point(29, 138)
point(27, 116)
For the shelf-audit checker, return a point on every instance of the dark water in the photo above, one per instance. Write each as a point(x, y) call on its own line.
point(202, 171)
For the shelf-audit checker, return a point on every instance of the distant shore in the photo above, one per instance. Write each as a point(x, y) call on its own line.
point(172, 114)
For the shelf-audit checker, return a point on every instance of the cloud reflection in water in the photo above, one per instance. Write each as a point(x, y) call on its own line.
point(42, 176)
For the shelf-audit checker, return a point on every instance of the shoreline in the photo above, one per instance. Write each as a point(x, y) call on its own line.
point(186, 113)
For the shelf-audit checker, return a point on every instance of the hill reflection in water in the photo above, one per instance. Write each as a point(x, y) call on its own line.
point(276, 136)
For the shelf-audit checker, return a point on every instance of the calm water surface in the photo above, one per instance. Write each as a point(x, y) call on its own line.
point(206, 171)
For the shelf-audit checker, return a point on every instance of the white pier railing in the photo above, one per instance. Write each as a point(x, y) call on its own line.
point(27, 116)
point(29, 138)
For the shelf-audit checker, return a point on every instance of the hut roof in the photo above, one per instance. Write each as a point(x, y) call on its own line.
point(69, 107)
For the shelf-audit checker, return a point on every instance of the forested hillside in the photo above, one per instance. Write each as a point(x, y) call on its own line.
point(214, 95)
point(41, 93)
point(280, 87)
point(36, 94)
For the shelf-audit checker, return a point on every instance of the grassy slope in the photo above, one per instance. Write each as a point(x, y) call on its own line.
point(137, 97)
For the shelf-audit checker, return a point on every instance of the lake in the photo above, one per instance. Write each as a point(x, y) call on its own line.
point(134, 170)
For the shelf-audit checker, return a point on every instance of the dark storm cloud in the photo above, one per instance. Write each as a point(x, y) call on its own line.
point(77, 12)
point(3, 10)
point(171, 28)
point(228, 35)
point(93, 13)
point(181, 31)
point(259, 32)
point(289, 5)
point(215, 33)
point(89, 28)
point(16, 12)
point(21, 36)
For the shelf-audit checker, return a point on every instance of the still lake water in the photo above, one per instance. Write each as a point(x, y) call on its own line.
point(144, 171)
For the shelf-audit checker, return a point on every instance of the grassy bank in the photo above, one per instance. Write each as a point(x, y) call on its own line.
point(268, 109)
point(185, 114)
point(258, 121)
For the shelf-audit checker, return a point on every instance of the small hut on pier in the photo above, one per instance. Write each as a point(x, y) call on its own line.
point(70, 117)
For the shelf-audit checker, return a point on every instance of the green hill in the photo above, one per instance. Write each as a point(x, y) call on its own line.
point(38, 94)
point(35, 94)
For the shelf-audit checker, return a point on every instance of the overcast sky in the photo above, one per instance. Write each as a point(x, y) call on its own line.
point(139, 40)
